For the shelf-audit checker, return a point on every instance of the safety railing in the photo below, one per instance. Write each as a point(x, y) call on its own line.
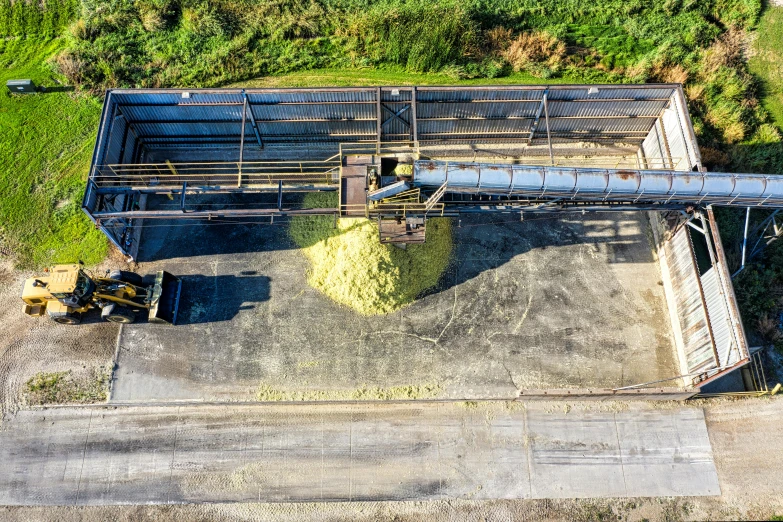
point(218, 174)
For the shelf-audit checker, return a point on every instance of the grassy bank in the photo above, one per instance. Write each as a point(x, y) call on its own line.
point(45, 147)
point(766, 61)
point(391, 75)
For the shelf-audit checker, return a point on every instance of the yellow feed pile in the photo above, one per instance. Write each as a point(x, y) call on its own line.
point(351, 266)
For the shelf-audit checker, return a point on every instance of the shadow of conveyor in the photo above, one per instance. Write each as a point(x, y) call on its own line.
point(207, 299)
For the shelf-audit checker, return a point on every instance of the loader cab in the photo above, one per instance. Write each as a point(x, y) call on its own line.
point(67, 284)
point(70, 285)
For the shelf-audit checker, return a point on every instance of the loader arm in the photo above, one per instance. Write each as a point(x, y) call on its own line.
point(120, 300)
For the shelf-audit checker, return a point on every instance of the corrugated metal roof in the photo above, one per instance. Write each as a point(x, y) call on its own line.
point(460, 114)
point(690, 308)
point(718, 312)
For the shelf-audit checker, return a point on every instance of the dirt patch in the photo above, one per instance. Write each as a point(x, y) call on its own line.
point(68, 387)
point(426, 391)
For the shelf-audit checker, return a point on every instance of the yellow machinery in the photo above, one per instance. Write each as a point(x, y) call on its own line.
point(68, 291)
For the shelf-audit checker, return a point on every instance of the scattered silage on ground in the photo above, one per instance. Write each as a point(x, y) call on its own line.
point(351, 266)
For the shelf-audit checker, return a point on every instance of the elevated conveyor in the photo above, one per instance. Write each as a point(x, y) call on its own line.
point(578, 185)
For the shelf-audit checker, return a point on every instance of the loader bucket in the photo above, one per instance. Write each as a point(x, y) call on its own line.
point(165, 298)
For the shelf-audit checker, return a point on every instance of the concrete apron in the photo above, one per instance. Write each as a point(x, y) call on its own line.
point(339, 452)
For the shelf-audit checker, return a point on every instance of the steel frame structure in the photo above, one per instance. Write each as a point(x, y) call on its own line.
point(188, 144)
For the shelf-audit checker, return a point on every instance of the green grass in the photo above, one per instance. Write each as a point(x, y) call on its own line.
point(398, 76)
point(766, 61)
point(45, 147)
point(90, 386)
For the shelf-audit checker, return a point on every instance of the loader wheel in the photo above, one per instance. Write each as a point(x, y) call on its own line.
point(118, 314)
point(131, 278)
point(66, 318)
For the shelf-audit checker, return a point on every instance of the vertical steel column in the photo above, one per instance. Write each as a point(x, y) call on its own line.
point(745, 237)
point(414, 131)
point(379, 115)
point(548, 134)
point(242, 142)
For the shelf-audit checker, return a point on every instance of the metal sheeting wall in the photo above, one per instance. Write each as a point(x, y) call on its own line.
point(690, 309)
point(429, 115)
point(720, 321)
point(654, 149)
point(675, 137)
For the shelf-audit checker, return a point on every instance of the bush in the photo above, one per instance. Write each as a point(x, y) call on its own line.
point(421, 36)
point(534, 48)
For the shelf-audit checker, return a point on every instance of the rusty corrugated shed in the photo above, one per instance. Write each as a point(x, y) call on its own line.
point(697, 340)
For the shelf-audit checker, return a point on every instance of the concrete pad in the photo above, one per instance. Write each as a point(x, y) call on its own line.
point(662, 453)
point(567, 302)
point(575, 455)
point(132, 455)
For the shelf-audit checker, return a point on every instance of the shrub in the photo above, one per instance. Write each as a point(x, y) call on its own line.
point(535, 47)
point(420, 36)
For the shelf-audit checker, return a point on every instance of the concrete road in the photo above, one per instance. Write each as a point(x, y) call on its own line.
point(569, 302)
point(203, 453)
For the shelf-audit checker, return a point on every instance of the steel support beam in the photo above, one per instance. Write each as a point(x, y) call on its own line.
point(548, 133)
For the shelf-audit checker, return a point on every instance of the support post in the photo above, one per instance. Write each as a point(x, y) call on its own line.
point(182, 196)
point(414, 130)
point(538, 117)
point(744, 240)
point(253, 121)
point(548, 134)
point(242, 142)
point(379, 115)
point(280, 195)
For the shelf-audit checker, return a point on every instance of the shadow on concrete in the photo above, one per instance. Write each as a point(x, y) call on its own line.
point(173, 238)
point(208, 299)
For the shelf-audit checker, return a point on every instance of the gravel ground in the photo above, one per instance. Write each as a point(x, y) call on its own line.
point(30, 345)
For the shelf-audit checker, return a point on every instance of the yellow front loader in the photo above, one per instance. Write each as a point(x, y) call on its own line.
point(68, 291)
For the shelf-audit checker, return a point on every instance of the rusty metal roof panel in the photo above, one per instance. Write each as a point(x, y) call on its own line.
point(717, 309)
point(690, 311)
point(624, 181)
point(690, 183)
point(655, 182)
point(609, 92)
point(476, 110)
point(182, 112)
point(617, 126)
point(430, 173)
point(463, 174)
point(312, 96)
point(468, 94)
point(621, 109)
